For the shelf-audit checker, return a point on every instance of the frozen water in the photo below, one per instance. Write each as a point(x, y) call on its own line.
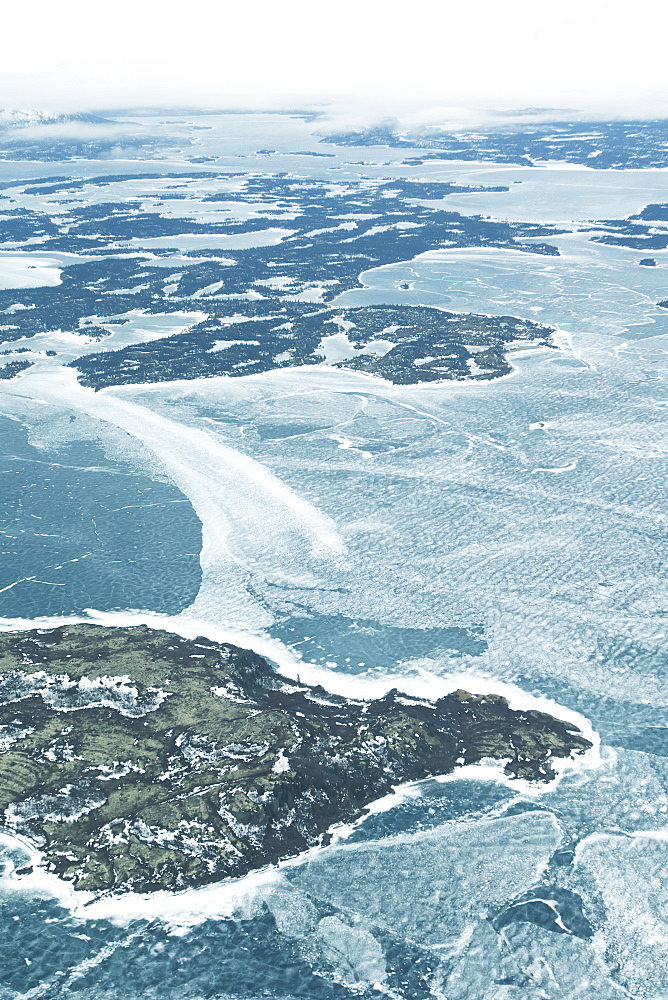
point(82, 528)
point(19, 271)
point(590, 288)
point(511, 532)
point(429, 887)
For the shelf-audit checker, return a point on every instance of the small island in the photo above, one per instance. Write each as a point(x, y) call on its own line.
point(13, 368)
point(137, 760)
point(407, 345)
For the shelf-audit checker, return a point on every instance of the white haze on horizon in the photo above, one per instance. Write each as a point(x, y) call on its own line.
point(362, 58)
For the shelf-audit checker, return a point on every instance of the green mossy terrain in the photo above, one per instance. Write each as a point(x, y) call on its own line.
point(139, 760)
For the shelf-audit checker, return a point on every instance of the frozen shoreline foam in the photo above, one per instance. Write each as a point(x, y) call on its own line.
point(217, 480)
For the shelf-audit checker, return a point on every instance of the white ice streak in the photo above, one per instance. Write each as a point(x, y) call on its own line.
point(245, 511)
point(209, 241)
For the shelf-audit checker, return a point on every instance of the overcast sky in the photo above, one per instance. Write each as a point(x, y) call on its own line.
point(74, 54)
